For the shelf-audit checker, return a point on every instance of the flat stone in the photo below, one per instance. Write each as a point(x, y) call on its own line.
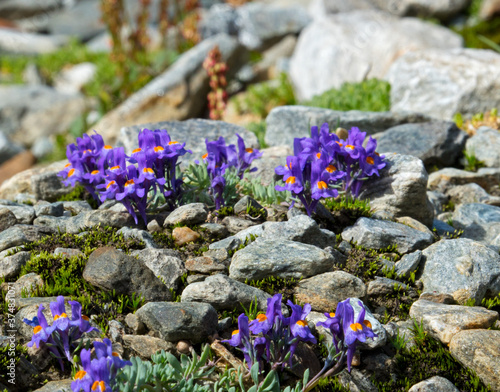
point(10, 266)
point(46, 208)
point(214, 230)
point(228, 244)
point(110, 269)
point(461, 267)
point(444, 321)
point(235, 224)
point(379, 234)
point(485, 145)
point(19, 234)
point(240, 208)
point(479, 350)
point(401, 189)
point(56, 386)
point(24, 214)
point(68, 252)
point(279, 258)
point(325, 291)
point(443, 179)
point(437, 143)
point(165, 264)
point(76, 207)
point(181, 320)
point(24, 43)
point(7, 218)
point(146, 346)
point(471, 193)
point(140, 235)
point(438, 298)
point(189, 214)
point(284, 123)
point(384, 286)
point(434, 384)
point(409, 263)
point(446, 81)
point(480, 222)
point(224, 293)
point(205, 265)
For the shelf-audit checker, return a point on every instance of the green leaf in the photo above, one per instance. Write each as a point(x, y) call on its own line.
point(254, 372)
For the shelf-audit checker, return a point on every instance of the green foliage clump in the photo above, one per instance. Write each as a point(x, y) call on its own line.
point(79, 193)
point(426, 359)
point(482, 35)
point(472, 164)
point(358, 208)
point(259, 129)
point(274, 285)
point(371, 95)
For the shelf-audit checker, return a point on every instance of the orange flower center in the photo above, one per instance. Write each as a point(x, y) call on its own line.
point(85, 318)
point(261, 317)
point(115, 354)
point(94, 172)
point(332, 314)
point(148, 170)
point(235, 332)
point(80, 374)
point(331, 168)
point(37, 329)
point(301, 323)
point(115, 167)
point(204, 156)
point(99, 384)
point(111, 183)
point(349, 146)
point(340, 144)
point(137, 150)
point(318, 155)
point(129, 182)
point(71, 172)
point(172, 142)
point(356, 327)
point(290, 180)
point(367, 323)
point(67, 165)
point(369, 160)
point(159, 148)
point(107, 147)
point(249, 150)
point(322, 185)
point(62, 315)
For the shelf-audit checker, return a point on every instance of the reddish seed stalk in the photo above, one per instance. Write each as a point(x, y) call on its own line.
point(216, 70)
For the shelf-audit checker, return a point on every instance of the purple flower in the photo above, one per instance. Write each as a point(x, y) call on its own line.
point(371, 162)
point(264, 322)
point(292, 176)
point(245, 157)
point(217, 185)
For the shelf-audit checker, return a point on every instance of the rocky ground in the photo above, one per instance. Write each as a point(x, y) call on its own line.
point(427, 251)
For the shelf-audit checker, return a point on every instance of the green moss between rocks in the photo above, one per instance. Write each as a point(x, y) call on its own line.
point(78, 194)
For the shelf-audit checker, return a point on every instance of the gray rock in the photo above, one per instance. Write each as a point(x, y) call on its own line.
point(485, 146)
point(240, 208)
point(228, 244)
point(437, 143)
point(76, 207)
point(214, 230)
point(206, 265)
point(24, 43)
point(46, 208)
point(193, 133)
point(443, 179)
point(176, 321)
point(68, 252)
point(479, 350)
point(19, 234)
point(480, 222)
point(434, 384)
point(56, 386)
point(438, 200)
point(284, 123)
point(279, 258)
point(7, 218)
point(442, 229)
point(445, 82)
point(110, 269)
point(325, 291)
point(235, 225)
point(53, 222)
point(463, 268)
point(14, 9)
point(378, 234)
point(146, 346)
point(135, 324)
point(189, 214)
point(384, 286)
point(10, 266)
point(444, 321)
point(272, 157)
point(140, 235)
point(71, 80)
point(409, 263)
point(471, 193)
point(258, 23)
point(439, 9)
point(401, 189)
point(29, 112)
point(179, 93)
point(224, 293)
point(76, 224)
point(220, 18)
point(165, 264)
point(360, 45)
point(8, 149)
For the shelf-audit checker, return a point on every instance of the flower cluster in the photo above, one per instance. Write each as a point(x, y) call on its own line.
point(278, 336)
point(216, 70)
point(104, 172)
point(98, 374)
point(59, 337)
point(324, 163)
point(220, 157)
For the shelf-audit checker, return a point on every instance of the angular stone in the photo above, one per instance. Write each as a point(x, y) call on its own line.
point(76, 207)
point(205, 265)
point(443, 179)
point(336, 39)
point(179, 93)
point(480, 222)
point(224, 293)
point(184, 235)
point(471, 193)
point(384, 286)
point(485, 145)
point(401, 189)
point(181, 320)
point(68, 252)
point(56, 386)
point(7, 218)
point(140, 235)
point(379, 234)
point(461, 267)
point(279, 258)
point(445, 82)
point(19, 234)
point(10, 266)
point(240, 208)
point(325, 291)
point(444, 321)
point(437, 143)
point(409, 263)
point(165, 264)
point(46, 208)
point(284, 123)
point(110, 269)
point(214, 230)
point(434, 384)
point(189, 214)
point(146, 346)
point(228, 244)
point(235, 224)
point(479, 350)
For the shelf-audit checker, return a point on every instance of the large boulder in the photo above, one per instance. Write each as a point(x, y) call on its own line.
point(441, 83)
point(178, 93)
point(401, 189)
point(358, 45)
point(285, 123)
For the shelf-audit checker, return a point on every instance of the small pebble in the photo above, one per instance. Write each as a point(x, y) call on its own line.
point(183, 235)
